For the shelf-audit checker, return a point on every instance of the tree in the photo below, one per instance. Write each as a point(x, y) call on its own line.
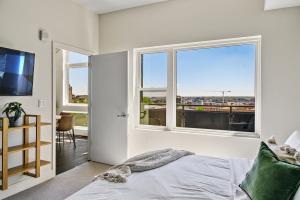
point(200, 108)
point(147, 100)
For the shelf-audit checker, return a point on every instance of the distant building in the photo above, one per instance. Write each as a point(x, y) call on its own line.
point(70, 94)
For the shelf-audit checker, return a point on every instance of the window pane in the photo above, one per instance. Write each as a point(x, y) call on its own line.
point(80, 119)
point(153, 108)
point(215, 88)
point(77, 58)
point(154, 70)
point(78, 85)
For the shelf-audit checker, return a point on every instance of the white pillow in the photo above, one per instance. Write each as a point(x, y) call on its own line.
point(297, 196)
point(294, 140)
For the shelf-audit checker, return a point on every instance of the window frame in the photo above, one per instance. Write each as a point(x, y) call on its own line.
point(66, 81)
point(171, 90)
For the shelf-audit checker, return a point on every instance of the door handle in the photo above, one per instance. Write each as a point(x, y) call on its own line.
point(123, 115)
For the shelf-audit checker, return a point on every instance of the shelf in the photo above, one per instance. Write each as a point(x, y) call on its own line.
point(24, 147)
point(31, 125)
point(24, 168)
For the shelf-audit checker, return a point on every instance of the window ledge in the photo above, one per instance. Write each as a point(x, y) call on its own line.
point(206, 132)
point(76, 104)
point(81, 128)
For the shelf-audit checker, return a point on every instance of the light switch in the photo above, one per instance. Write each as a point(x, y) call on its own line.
point(42, 103)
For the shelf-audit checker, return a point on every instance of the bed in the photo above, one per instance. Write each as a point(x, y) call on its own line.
point(188, 178)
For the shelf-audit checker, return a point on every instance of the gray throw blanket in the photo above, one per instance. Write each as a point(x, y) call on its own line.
point(143, 162)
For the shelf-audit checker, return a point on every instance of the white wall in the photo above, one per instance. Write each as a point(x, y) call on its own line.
point(65, 22)
point(59, 79)
point(180, 21)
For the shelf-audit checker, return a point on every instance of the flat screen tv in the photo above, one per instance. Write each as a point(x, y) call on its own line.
point(16, 72)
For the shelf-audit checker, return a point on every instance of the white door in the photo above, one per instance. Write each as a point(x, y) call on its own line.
point(108, 108)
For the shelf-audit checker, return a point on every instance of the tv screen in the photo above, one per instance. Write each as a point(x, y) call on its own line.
point(16, 72)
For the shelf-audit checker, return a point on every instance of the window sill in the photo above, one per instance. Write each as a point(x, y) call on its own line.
point(81, 128)
point(76, 104)
point(193, 131)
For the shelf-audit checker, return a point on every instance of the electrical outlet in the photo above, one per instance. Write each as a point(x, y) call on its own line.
point(42, 103)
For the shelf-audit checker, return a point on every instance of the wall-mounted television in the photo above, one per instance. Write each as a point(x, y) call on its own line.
point(16, 72)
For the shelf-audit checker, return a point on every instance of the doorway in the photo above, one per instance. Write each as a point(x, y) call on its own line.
point(104, 109)
point(71, 107)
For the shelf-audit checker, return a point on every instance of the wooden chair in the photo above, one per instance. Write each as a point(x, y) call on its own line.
point(65, 125)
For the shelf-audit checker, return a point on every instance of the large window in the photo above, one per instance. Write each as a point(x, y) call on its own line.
point(77, 71)
point(206, 86)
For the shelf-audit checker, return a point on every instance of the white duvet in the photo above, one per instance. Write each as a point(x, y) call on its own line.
point(189, 178)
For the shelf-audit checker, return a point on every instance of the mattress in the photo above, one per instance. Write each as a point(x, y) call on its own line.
point(189, 178)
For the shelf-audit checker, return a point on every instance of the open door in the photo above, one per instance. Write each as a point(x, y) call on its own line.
point(108, 108)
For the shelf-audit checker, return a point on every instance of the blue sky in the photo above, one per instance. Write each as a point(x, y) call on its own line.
point(202, 72)
point(155, 70)
point(77, 58)
point(78, 77)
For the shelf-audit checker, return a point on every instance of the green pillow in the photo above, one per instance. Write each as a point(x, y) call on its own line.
point(271, 178)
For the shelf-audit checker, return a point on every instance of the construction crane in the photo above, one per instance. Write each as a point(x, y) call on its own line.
point(223, 94)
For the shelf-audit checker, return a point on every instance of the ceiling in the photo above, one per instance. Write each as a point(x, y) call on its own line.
point(276, 4)
point(106, 6)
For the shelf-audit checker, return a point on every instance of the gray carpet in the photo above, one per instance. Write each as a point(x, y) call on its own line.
point(64, 184)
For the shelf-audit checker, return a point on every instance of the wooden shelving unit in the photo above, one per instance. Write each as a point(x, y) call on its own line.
point(5, 151)
point(24, 168)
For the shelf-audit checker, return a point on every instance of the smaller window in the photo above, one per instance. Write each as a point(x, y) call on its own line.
point(77, 78)
point(78, 85)
point(153, 89)
point(154, 70)
point(153, 108)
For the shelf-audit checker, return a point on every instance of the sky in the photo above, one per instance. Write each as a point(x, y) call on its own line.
point(200, 72)
point(78, 77)
point(206, 71)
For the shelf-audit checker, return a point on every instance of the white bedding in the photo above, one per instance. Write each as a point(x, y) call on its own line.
point(189, 178)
